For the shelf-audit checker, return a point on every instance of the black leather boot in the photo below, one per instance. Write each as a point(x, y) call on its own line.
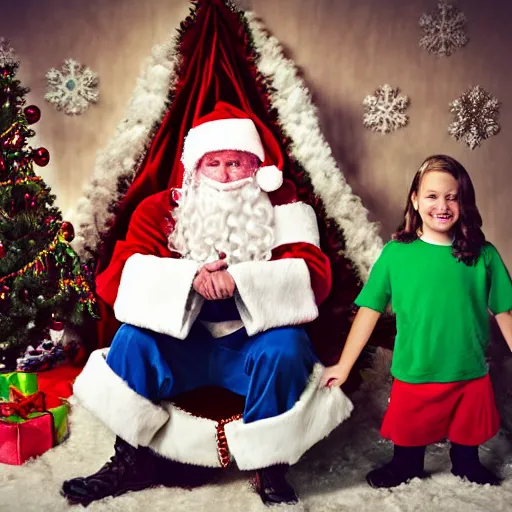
point(466, 464)
point(129, 469)
point(407, 463)
point(272, 486)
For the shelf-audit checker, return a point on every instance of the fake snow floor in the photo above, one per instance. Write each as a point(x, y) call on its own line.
point(329, 478)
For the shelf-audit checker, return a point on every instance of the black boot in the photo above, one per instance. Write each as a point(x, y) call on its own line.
point(272, 486)
point(407, 463)
point(466, 464)
point(129, 469)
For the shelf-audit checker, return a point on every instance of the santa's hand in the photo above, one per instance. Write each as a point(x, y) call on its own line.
point(333, 376)
point(214, 266)
point(202, 284)
point(223, 284)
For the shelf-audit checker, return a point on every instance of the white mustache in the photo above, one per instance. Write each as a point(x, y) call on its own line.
point(225, 187)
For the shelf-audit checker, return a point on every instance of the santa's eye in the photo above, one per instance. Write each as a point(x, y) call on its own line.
point(213, 163)
point(234, 163)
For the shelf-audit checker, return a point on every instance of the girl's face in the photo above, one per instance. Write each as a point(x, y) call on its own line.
point(437, 203)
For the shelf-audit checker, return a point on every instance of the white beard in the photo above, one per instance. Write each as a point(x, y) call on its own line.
point(239, 223)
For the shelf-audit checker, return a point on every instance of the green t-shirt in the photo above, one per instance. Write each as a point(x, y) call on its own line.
point(441, 308)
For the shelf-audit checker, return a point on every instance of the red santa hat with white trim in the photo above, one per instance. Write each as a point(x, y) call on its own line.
point(229, 128)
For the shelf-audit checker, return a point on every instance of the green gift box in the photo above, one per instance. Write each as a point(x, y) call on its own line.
point(23, 438)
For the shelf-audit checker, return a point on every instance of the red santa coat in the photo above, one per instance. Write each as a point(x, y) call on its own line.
point(150, 286)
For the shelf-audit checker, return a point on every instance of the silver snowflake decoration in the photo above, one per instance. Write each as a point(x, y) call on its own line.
point(7, 55)
point(445, 30)
point(72, 88)
point(384, 111)
point(476, 116)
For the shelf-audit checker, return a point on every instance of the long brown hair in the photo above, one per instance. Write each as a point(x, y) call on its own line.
point(469, 238)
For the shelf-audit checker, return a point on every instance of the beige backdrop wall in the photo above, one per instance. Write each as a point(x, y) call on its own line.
point(345, 48)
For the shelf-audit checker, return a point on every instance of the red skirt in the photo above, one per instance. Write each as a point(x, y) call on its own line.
point(420, 414)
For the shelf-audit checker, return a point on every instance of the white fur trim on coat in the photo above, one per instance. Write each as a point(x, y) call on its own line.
point(156, 293)
point(295, 222)
point(180, 436)
point(219, 135)
point(273, 294)
point(187, 438)
point(129, 415)
point(285, 438)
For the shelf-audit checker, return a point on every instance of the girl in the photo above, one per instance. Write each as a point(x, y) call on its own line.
point(441, 276)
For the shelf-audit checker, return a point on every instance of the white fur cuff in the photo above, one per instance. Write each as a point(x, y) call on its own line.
point(156, 293)
point(273, 294)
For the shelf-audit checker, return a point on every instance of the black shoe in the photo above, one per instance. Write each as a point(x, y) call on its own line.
point(129, 469)
point(407, 463)
point(272, 486)
point(392, 475)
point(466, 464)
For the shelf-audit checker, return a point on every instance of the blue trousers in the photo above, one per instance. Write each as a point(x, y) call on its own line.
point(270, 369)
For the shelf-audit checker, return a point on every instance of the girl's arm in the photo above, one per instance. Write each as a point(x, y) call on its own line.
point(360, 332)
point(504, 321)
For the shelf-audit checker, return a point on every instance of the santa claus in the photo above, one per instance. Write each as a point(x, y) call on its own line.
point(213, 285)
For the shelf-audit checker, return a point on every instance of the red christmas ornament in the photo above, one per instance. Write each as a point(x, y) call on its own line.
point(41, 156)
point(2, 164)
point(2, 250)
point(32, 114)
point(67, 230)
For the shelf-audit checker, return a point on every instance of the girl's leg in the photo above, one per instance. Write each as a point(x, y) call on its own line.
point(466, 464)
point(475, 421)
point(407, 463)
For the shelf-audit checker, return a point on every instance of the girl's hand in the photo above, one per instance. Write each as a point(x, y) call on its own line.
point(334, 376)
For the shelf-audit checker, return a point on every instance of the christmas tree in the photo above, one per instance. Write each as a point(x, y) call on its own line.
point(41, 278)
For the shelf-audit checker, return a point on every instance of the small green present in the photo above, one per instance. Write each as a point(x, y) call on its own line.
point(22, 435)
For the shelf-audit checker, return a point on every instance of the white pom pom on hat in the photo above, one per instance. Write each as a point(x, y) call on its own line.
point(269, 178)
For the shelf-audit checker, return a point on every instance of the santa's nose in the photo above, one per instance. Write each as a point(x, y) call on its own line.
point(223, 173)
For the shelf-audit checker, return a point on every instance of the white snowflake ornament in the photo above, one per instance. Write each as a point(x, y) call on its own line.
point(384, 111)
point(72, 88)
point(476, 116)
point(7, 55)
point(445, 30)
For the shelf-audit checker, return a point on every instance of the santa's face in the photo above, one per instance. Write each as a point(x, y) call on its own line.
point(224, 211)
point(226, 167)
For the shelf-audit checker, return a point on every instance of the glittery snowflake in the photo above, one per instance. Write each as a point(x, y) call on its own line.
point(476, 116)
point(384, 112)
point(72, 88)
point(445, 30)
point(7, 55)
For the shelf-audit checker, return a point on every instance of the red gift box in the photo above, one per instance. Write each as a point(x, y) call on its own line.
point(21, 441)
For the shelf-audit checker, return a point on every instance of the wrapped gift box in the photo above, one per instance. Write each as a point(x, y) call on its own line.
point(27, 428)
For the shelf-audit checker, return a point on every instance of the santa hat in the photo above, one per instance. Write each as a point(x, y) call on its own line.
point(228, 128)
